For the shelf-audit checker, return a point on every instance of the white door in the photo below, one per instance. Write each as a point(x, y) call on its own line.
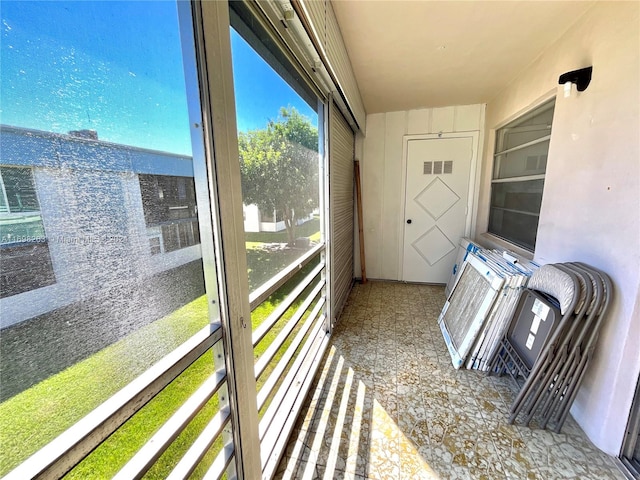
point(436, 197)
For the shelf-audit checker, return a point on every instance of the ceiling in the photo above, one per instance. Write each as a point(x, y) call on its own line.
point(415, 54)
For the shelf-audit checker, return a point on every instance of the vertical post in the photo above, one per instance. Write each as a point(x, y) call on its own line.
point(356, 166)
point(327, 231)
point(202, 158)
point(211, 22)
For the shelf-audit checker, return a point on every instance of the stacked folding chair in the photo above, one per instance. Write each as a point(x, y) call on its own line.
point(584, 294)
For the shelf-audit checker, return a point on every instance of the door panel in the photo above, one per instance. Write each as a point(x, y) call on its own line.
point(436, 197)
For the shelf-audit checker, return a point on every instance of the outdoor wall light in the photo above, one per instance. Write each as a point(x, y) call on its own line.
point(581, 78)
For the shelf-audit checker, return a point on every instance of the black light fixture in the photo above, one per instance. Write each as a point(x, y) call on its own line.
point(581, 78)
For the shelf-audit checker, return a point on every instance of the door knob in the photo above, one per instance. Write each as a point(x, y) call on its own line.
point(409, 221)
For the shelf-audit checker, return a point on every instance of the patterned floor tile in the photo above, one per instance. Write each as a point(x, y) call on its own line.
point(388, 404)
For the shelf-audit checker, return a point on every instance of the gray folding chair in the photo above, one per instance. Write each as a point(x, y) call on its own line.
point(565, 287)
point(565, 376)
point(544, 386)
point(589, 347)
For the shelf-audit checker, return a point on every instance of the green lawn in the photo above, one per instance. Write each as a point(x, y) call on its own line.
point(263, 263)
point(260, 313)
point(34, 417)
point(309, 229)
point(112, 454)
point(267, 255)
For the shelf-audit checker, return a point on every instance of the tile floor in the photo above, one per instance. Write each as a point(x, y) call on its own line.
point(388, 404)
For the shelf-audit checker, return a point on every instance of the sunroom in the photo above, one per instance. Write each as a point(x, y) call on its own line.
point(145, 333)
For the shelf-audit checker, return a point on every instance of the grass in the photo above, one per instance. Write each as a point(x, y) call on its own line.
point(264, 259)
point(114, 452)
point(263, 262)
point(260, 313)
point(36, 416)
point(309, 229)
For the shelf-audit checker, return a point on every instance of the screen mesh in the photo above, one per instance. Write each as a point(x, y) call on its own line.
point(464, 304)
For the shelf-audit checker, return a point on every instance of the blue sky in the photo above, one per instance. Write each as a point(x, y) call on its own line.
point(116, 67)
point(260, 92)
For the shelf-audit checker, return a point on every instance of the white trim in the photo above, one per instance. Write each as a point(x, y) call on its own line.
point(325, 206)
point(478, 173)
point(542, 99)
point(220, 130)
point(522, 178)
point(519, 212)
point(26, 305)
point(178, 257)
point(87, 141)
point(3, 191)
point(489, 240)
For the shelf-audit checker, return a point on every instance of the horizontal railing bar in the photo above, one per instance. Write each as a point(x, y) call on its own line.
point(281, 366)
point(60, 455)
point(273, 445)
point(277, 313)
point(270, 287)
point(271, 412)
point(275, 345)
point(522, 178)
point(199, 448)
point(512, 210)
point(144, 458)
point(524, 145)
point(220, 464)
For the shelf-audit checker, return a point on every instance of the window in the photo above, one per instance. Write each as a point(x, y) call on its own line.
point(98, 148)
point(170, 209)
point(279, 120)
point(120, 367)
point(166, 199)
point(19, 190)
point(277, 117)
point(24, 250)
point(520, 163)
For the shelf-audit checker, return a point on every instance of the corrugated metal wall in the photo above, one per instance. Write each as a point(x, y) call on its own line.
point(341, 150)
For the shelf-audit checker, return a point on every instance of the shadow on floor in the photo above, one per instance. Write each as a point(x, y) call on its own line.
point(388, 404)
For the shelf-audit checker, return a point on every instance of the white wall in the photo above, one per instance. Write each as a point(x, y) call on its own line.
point(84, 235)
point(251, 218)
point(97, 238)
point(591, 204)
point(382, 176)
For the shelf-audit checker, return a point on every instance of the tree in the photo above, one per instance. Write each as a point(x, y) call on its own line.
point(279, 166)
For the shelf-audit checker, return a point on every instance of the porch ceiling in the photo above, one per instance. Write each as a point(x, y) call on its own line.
point(414, 54)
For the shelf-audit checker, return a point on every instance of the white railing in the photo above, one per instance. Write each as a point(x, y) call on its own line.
point(291, 371)
point(287, 383)
point(267, 289)
point(67, 450)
